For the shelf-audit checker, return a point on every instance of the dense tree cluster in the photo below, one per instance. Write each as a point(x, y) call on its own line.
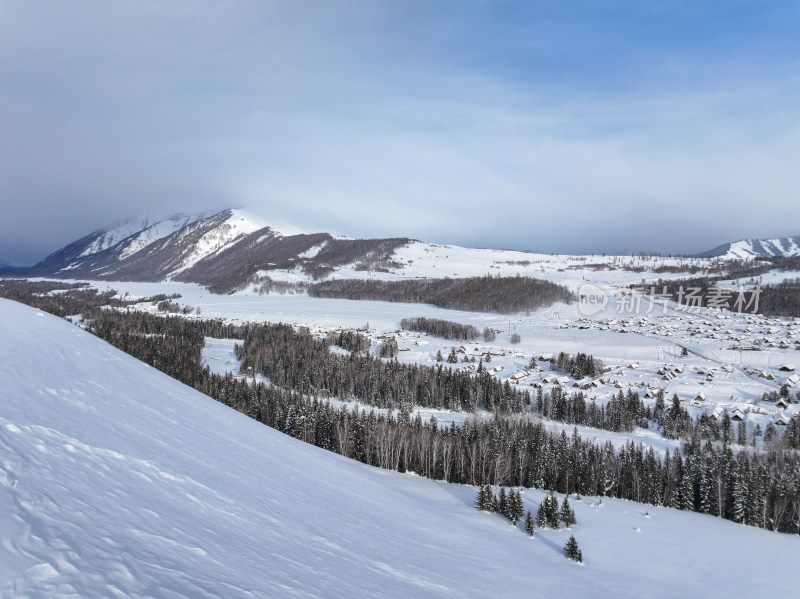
point(295, 360)
point(504, 295)
point(782, 299)
point(61, 299)
point(447, 329)
point(549, 514)
point(388, 348)
point(579, 366)
point(352, 341)
point(508, 504)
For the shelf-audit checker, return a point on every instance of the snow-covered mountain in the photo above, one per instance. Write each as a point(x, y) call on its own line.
point(117, 481)
point(745, 249)
point(234, 250)
point(221, 249)
point(113, 245)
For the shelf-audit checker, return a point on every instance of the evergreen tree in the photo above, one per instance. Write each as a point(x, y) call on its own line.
point(515, 507)
point(439, 356)
point(567, 513)
point(502, 503)
point(741, 436)
point(452, 358)
point(486, 499)
point(686, 492)
point(572, 551)
point(529, 527)
point(551, 510)
point(708, 498)
point(739, 497)
point(541, 514)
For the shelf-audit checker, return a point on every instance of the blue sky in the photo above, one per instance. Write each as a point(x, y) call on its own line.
point(549, 126)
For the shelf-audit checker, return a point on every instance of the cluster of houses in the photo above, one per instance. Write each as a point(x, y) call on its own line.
point(748, 331)
point(539, 375)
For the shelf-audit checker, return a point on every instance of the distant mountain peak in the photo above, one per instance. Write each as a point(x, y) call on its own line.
point(223, 249)
point(746, 249)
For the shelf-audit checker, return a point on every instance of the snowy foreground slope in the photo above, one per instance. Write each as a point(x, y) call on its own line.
point(117, 481)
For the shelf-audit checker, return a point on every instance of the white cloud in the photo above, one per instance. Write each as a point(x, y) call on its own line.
point(453, 126)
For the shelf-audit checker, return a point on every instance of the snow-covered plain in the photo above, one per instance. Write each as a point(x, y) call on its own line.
point(117, 481)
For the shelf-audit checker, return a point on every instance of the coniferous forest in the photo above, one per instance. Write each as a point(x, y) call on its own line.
point(504, 295)
point(440, 328)
point(716, 469)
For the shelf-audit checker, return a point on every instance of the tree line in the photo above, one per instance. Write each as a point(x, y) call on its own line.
point(447, 329)
point(503, 295)
point(781, 299)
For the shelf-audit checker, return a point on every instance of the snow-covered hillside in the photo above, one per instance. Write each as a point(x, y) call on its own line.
point(156, 231)
point(746, 249)
point(235, 225)
point(117, 481)
point(111, 236)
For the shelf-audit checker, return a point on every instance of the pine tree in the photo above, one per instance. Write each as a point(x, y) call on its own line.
point(686, 492)
point(439, 357)
point(741, 436)
point(502, 502)
point(485, 500)
point(541, 514)
point(515, 507)
point(707, 489)
point(739, 497)
point(567, 513)
point(553, 517)
point(572, 551)
point(529, 527)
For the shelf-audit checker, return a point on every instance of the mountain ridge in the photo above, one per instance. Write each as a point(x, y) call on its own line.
point(224, 248)
point(745, 249)
point(233, 249)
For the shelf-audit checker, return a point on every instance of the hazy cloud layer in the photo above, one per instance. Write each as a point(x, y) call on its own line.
point(604, 127)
